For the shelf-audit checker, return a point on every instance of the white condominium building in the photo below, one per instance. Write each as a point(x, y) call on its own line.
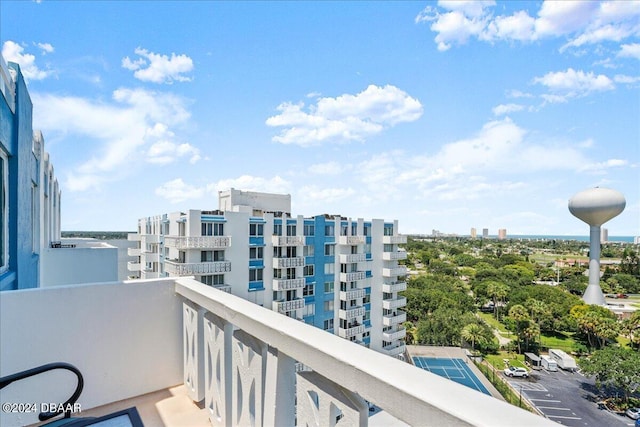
point(336, 273)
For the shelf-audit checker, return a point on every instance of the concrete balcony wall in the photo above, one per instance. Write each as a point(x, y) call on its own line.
point(134, 251)
point(133, 266)
point(394, 240)
point(352, 294)
point(352, 277)
point(288, 284)
point(288, 262)
point(351, 240)
point(394, 256)
point(394, 287)
point(287, 240)
point(394, 272)
point(350, 258)
point(392, 304)
point(391, 320)
point(351, 313)
point(133, 237)
point(394, 335)
point(198, 242)
point(197, 268)
point(285, 306)
point(124, 337)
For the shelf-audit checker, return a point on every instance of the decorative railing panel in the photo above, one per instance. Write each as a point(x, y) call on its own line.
point(197, 268)
point(288, 262)
point(288, 284)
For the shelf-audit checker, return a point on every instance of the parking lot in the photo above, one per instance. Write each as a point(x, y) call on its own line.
point(566, 398)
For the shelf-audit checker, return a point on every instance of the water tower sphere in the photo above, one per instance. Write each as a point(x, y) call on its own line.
point(596, 206)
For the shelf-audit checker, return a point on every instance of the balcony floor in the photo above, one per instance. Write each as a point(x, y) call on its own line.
point(164, 408)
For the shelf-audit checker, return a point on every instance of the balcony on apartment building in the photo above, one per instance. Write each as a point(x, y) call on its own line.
point(395, 318)
point(196, 268)
point(394, 349)
point(394, 272)
point(351, 258)
point(393, 303)
point(198, 242)
point(394, 256)
point(283, 306)
point(288, 262)
point(133, 266)
point(353, 276)
point(351, 330)
point(394, 287)
point(354, 293)
point(394, 334)
point(288, 284)
point(351, 240)
point(400, 239)
point(287, 240)
point(351, 312)
point(134, 251)
point(162, 345)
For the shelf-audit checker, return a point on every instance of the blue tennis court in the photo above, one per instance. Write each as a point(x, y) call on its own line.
point(451, 369)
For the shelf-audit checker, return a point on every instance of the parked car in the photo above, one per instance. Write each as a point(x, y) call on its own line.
point(633, 413)
point(513, 371)
point(622, 296)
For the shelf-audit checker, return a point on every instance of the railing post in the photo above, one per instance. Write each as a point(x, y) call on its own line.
point(217, 370)
point(193, 360)
point(247, 379)
point(280, 389)
point(321, 403)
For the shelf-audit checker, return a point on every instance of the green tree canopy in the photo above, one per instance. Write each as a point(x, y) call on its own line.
point(614, 366)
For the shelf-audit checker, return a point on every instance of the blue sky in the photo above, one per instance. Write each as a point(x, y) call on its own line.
point(445, 115)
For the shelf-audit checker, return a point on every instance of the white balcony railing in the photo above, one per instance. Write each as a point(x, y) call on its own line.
point(394, 335)
point(287, 240)
point(288, 262)
point(352, 277)
point(394, 287)
point(133, 338)
point(133, 266)
point(394, 349)
point(133, 251)
point(286, 306)
point(394, 256)
point(351, 313)
point(351, 331)
point(288, 284)
point(197, 268)
point(198, 242)
point(394, 319)
point(352, 294)
point(149, 238)
point(133, 237)
point(349, 258)
point(351, 240)
point(392, 304)
point(394, 240)
point(394, 272)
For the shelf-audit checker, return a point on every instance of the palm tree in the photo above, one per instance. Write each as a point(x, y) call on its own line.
point(412, 333)
point(497, 291)
point(472, 333)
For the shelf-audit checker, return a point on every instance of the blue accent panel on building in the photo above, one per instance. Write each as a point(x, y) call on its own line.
point(368, 274)
point(368, 257)
point(256, 241)
point(366, 340)
point(256, 286)
point(212, 218)
point(367, 323)
point(256, 263)
point(257, 220)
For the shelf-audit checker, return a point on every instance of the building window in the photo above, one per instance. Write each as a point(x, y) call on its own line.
point(344, 228)
point(291, 230)
point(308, 250)
point(211, 256)
point(354, 229)
point(277, 229)
point(256, 252)
point(328, 306)
point(255, 275)
point(388, 230)
point(367, 230)
point(329, 268)
point(309, 270)
point(328, 324)
point(212, 229)
point(387, 248)
point(329, 230)
point(256, 229)
point(309, 310)
point(367, 299)
point(329, 250)
point(212, 280)
point(328, 287)
point(309, 230)
point(4, 229)
point(308, 290)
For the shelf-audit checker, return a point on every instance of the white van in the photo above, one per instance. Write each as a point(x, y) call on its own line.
point(548, 363)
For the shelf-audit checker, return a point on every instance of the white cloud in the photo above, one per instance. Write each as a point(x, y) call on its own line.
point(177, 191)
point(116, 132)
point(45, 47)
point(506, 109)
point(584, 22)
point(313, 193)
point(13, 52)
point(570, 83)
point(601, 167)
point(346, 117)
point(156, 68)
point(621, 78)
point(252, 183)
point(630, 51)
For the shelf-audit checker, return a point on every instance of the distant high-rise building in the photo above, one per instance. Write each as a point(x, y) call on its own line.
point(336, 273)
point(485, 233)
point(604, 235)
point(502, 234)
point(473, 233)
